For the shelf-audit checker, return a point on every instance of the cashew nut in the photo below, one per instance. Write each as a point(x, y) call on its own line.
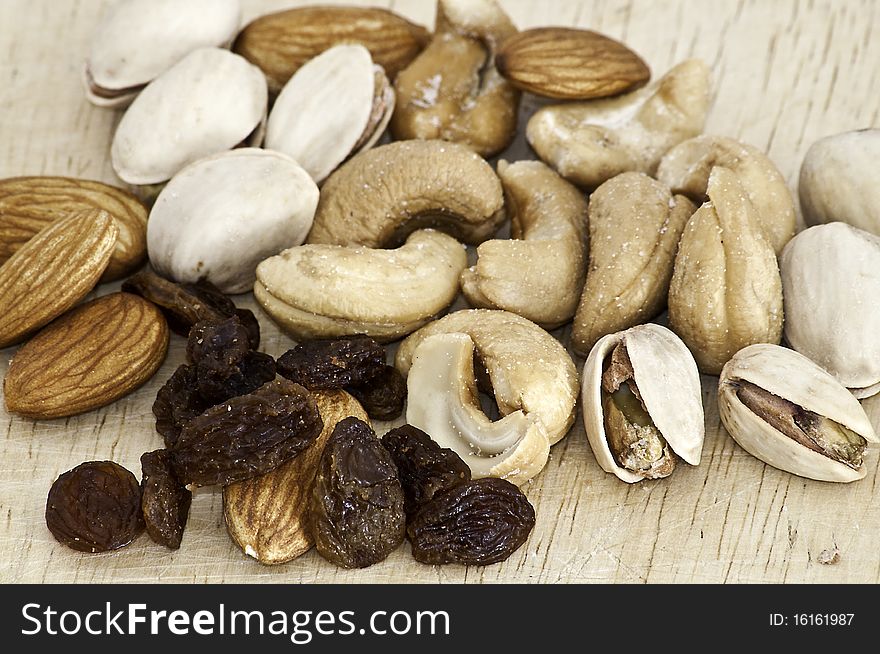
point(325, 291)
point(539, 277)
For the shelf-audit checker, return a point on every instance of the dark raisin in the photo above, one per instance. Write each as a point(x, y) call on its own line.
point(178, 402)
point(356, 516)
point(325, 365)
point(225, 340)
point(425, 468)
point(382, 397)
point(480, 522)
point(96, 507)
point(165, 501)
point(251, 324)
point(247, 436)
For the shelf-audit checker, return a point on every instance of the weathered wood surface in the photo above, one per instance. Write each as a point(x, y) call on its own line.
point(787, 72)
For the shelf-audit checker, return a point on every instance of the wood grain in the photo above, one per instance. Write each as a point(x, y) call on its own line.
point(787, 72)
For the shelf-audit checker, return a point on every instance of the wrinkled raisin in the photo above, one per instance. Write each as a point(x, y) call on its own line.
point(96, 507)
point(382, 397)
point(178, 402)
point(356, 516)
point(165, 501)
point(247, 436)
point(425, 468)
point(325, 365)
point(480, 522)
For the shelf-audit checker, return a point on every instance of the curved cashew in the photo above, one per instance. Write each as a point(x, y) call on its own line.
point(686, 169)
point(384, 194)
point(540, 276)
point(326, 291)
point(528, 368)
point(591, 142)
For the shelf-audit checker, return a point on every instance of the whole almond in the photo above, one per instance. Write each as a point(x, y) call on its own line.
point(280, 43)
point(266, 515)
point(570, 64)
point(90, 357)
point(29, 204)
point(53, 271)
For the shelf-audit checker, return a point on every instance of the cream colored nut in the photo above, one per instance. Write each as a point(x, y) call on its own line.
point(382, 195)
point(726, 292)
point(452, 90)
point(635, 226)
point(221, 216)
point(138, 40)
point(687, 168)
point(839, 180)
point(529, 370)
point(336, 104)
point(785, 410)
point(540, 274)
point(591, 142)
point(209, 102)
point(325, 291)
point(831, 282)
point(642, 403)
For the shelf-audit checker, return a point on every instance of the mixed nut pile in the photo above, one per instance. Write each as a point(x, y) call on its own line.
point(349, 245)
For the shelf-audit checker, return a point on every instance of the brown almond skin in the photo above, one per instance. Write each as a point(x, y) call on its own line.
point(29, 204)
point(280, 43)
point(53, 271)
point(570, 64)
point(90, 357)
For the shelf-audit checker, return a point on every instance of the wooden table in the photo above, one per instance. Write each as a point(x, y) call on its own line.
point(787, 72)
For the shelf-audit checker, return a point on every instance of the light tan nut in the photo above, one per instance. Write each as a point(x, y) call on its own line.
point(591, 142)
point(90, 357)
point(726, 292)
point(687, 168)
point(785, 410)
point(382, 195)
point(328, 291)
point(635, 225)
point(540, 273)
point(29, 204)
point(838, 180)
point(53, 271)
point(452, 91)
point(529, 370)
point(642, 403)
point(266, 515)
point(570, 64)
point(280, 43)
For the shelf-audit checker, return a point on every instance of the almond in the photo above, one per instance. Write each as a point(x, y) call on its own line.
point(90, 357)
point(29, 204)
point(53, 271)
point(266, 515)
point(570, 64)
point(280, 43)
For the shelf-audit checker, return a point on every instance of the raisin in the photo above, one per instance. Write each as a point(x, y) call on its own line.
point(356, 515)
point(480, 522)
point(96, 507)
point(164, 500)
point(178, 402)
point(384, 396)
point(325, 365)
point(425, 468)
point(251, 325)
point(247, 436)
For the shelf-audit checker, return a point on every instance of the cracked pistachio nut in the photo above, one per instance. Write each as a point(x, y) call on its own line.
point(329, 291)
point(588, 143)
point(209, 102)
point(726, 292)
point(642, 403)
point(830, 282)
point(838, 180)
point(635, 226)
point(687, 168)
point(379, 197)
point(785, 410)
point(538, 274)
point(221, 216)
point(337, 104)
point(452, 90)
point(138, 40)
